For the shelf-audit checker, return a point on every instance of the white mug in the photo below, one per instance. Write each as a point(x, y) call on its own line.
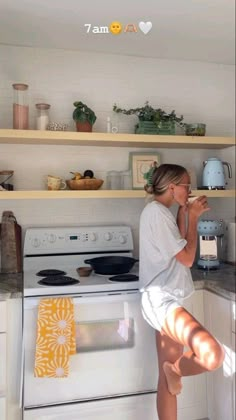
point(55, 183)
point(192, 199)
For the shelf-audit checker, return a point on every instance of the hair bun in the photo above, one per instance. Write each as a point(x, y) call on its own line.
point(149, 189)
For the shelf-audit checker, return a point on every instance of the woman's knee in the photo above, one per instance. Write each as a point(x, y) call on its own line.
point(214, 357)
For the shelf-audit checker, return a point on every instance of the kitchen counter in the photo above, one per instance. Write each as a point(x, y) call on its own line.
point(221, 282)
point(11, 285)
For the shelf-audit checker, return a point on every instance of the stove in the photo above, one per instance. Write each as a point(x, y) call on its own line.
point(53, 255)
point(114, 344)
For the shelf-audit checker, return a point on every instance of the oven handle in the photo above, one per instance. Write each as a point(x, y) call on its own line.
point(87, 298)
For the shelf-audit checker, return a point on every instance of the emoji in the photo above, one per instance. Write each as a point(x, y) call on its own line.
point(130, 28)
point(145, 27)
point(115, 28)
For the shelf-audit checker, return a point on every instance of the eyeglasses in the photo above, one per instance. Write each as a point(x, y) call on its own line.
point(185, 185)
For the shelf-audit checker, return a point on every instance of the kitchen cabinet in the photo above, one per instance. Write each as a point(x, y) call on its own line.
point(192, 402)
point(233, 315)
point(37, 137)
point(10, 358)
point(3, 356)
point(218, 320)
point(233, 372)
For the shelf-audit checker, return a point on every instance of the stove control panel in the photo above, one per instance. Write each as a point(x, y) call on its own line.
point(39, 241)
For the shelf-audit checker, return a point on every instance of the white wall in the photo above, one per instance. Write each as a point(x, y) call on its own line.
point(202, 92)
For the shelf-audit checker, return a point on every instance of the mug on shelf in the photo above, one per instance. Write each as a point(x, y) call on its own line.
point(55, 183)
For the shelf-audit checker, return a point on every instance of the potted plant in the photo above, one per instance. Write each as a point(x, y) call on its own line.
point(83, 116)
point(151, 120)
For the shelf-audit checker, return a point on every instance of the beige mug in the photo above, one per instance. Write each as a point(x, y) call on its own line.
point(55, 183)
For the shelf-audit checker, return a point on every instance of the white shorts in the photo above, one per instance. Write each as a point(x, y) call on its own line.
point(157, 305)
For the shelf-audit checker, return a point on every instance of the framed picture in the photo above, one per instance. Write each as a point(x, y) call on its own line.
point(140, 164)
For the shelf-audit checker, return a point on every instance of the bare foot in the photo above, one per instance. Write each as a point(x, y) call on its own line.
point(173, 380)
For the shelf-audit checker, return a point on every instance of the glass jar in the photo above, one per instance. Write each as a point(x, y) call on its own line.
point(126, 180)
point(6, 180)
point(113, 180)
point(42, 118)
point(20, 106)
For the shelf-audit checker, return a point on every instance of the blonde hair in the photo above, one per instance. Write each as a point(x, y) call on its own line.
point(163, 176)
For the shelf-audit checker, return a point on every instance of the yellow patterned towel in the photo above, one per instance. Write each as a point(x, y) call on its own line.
point(55, 337)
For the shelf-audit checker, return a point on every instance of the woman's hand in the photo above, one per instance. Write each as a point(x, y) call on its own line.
point(198, 206)
point(183, 209)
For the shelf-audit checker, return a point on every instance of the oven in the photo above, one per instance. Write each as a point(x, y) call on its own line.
point(114, 368)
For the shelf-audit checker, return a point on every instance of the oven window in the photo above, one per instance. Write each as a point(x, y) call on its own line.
point(104, 335)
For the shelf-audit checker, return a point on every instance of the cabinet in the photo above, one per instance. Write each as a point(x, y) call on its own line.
point(10, 359)
point(3, 356)
point(192, 402)
point(218, 320)
point(37, 137)
point(233, 314)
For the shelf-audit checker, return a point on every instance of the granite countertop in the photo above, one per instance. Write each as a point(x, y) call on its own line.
point(221, 282)
point(11, 285)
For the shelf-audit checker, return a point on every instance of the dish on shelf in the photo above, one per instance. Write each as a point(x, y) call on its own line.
point(84, 184)
point(54, 126)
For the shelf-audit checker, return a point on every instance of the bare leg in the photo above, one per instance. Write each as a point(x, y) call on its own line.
point(205, 354)
point(167, 349)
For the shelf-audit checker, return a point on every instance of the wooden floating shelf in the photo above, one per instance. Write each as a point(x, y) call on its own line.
point(37, 195)
point(10, 136)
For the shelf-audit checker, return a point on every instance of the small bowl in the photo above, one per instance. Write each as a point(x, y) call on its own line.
point(197, 129)
point(84, 184)
point(54, 126)
point(84, 271)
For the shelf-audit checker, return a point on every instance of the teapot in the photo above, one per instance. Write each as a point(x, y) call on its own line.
point(213, 177)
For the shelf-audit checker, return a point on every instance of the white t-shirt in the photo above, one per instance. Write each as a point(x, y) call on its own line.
point(160, 241)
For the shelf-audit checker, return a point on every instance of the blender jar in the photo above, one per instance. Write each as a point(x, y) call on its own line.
point(20, 106)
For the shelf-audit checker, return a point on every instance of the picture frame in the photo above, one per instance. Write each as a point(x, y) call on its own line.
point(140, 163)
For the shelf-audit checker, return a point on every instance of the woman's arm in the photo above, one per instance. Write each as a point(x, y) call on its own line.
point(181, 220)
point(187, 255)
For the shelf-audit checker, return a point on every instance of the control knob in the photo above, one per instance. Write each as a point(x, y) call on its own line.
point(36, 242)
point(107, 236)
point(92, 237)
point(52, 238)
point(122, 239)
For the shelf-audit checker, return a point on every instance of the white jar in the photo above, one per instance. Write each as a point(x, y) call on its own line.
point(42, 119)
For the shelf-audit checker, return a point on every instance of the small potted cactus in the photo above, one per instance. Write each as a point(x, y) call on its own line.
point(83, 116)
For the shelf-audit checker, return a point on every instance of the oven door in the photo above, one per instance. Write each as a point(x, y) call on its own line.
point(116, 353)
point(126, 408)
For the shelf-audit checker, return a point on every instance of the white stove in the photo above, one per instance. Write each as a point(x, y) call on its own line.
point(66, 249)
point(115, 347)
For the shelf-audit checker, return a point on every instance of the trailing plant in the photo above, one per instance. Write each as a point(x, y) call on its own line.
point(83, 113)
point(148, 113)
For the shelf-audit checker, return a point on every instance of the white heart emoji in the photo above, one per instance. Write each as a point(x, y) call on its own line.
point(145, 27)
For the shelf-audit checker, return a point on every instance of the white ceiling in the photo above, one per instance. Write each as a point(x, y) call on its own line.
point(181, 29)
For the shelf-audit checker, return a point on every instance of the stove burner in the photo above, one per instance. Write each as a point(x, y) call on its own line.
point(124, 277)
point(58, 281)
point(50, 272)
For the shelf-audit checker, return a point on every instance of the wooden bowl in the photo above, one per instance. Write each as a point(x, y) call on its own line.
point(84, 184)
point(84, 271)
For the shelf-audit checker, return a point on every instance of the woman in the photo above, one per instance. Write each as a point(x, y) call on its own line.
point(167, 250)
